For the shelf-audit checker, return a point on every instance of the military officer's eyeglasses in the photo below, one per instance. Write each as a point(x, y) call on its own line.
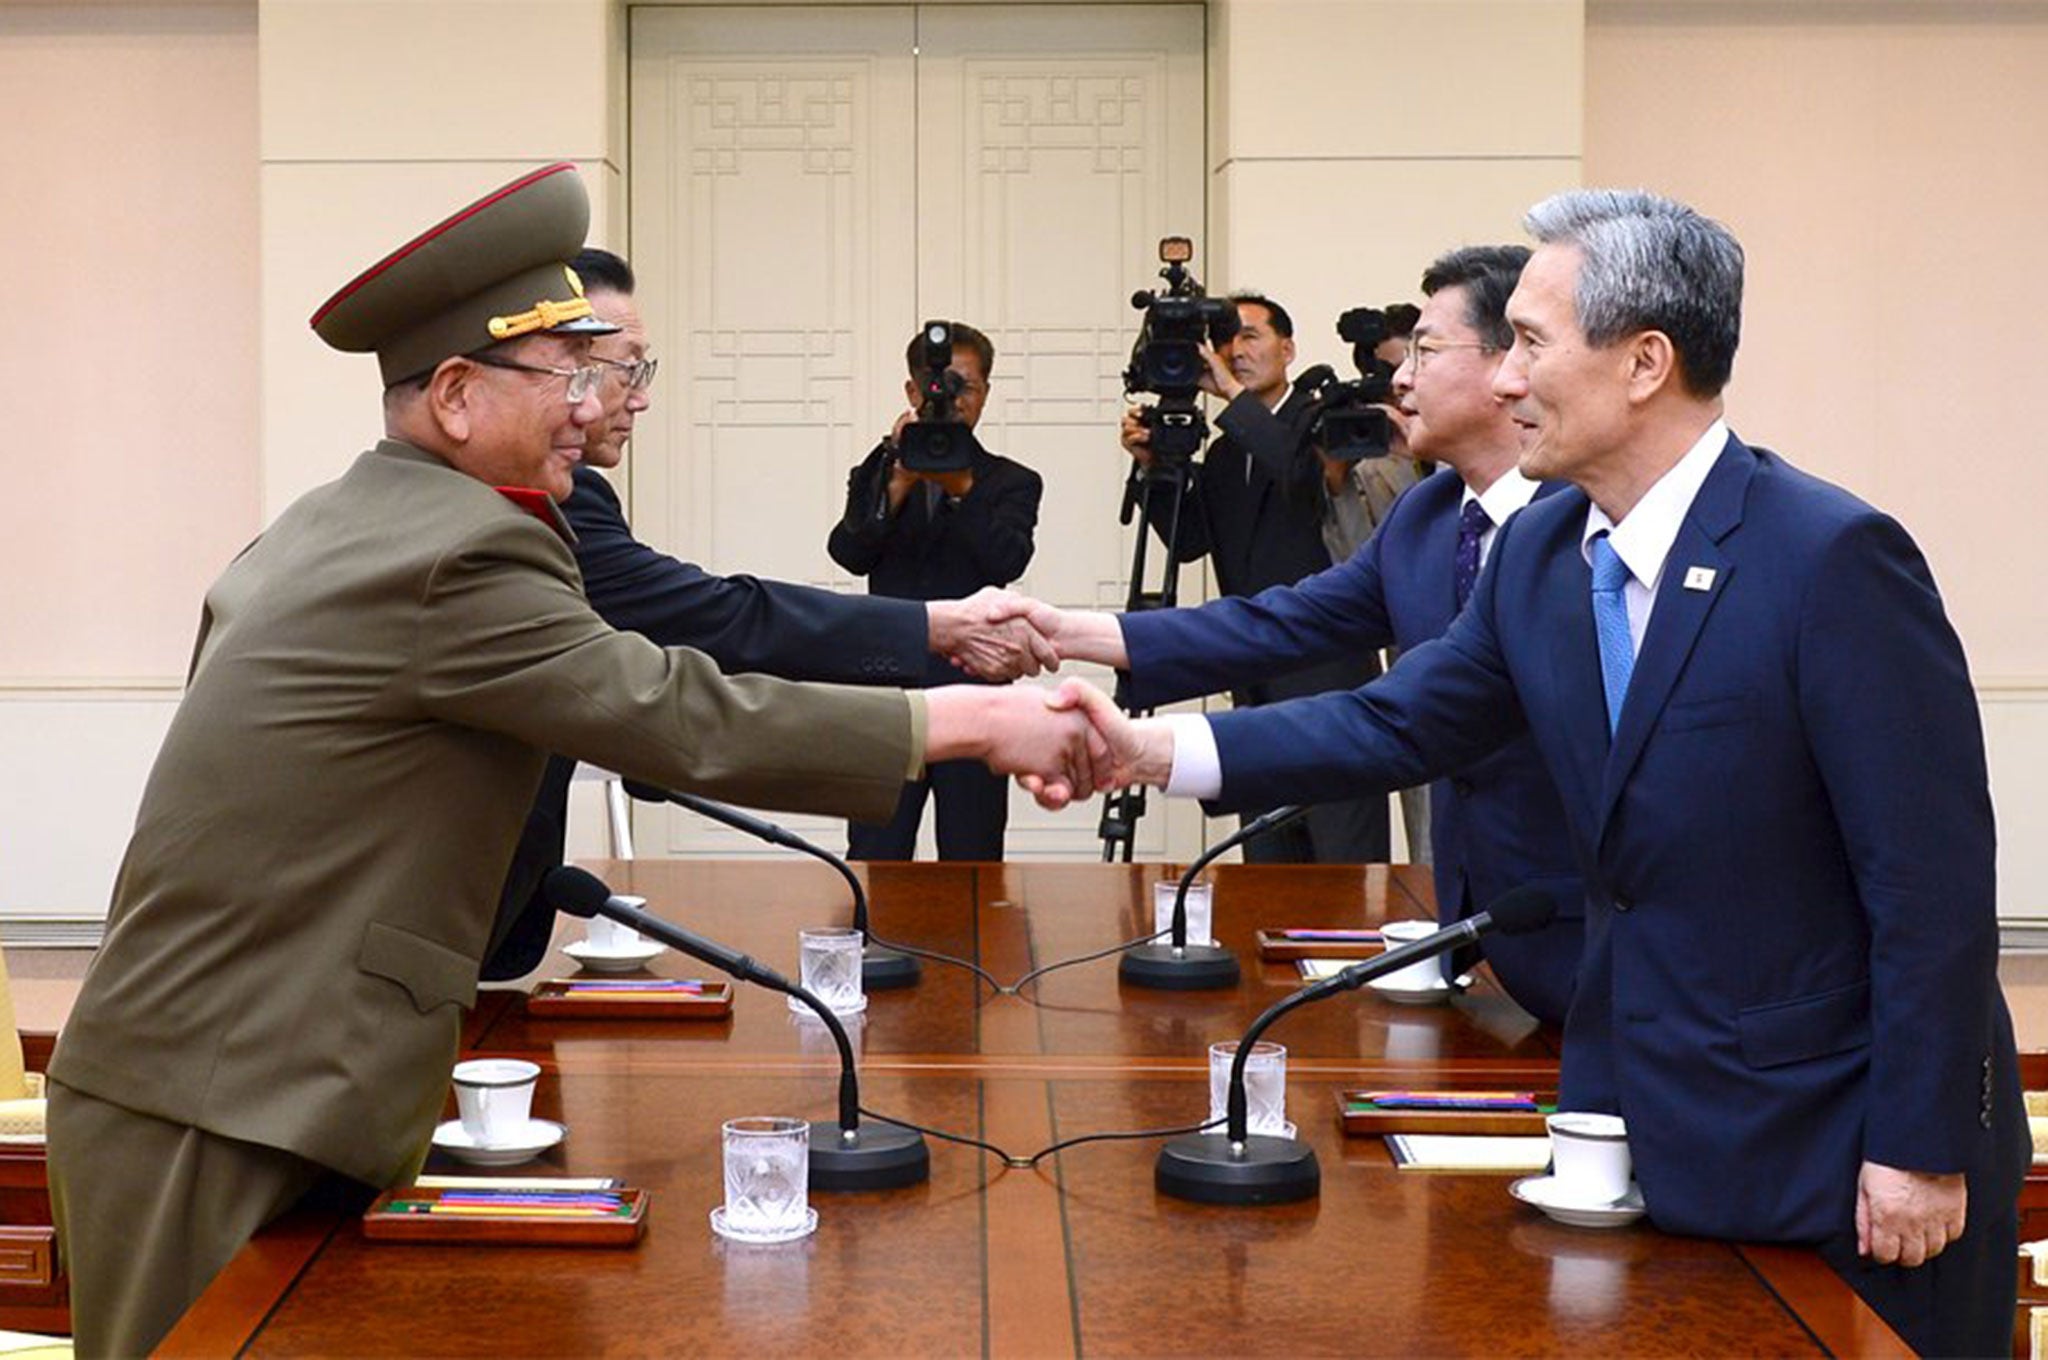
point(636, 374)
point(1419, 351)
point(582, 381)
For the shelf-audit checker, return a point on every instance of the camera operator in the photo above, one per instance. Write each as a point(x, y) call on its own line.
point(938, 535)
point(1359, 492)
point(1255, 506)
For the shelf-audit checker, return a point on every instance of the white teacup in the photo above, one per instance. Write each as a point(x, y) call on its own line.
point(495, 1098)
point(1418, 975)
point(1589, 1158)
point(613, 937)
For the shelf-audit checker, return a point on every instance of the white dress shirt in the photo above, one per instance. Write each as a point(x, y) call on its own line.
point(1644, 537)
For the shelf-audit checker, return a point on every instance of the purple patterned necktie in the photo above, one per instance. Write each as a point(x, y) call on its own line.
point(1472, 522)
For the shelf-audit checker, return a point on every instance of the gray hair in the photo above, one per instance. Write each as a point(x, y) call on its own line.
point(1651, 263)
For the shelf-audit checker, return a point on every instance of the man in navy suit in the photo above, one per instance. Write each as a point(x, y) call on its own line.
point(743, 623)
point(1766, 739)
point(1496, 823)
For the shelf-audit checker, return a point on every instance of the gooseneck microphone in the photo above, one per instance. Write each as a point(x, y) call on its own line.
point(880, 969)
point(1236, 1166)
point(1176, 965)
point(845, 1155)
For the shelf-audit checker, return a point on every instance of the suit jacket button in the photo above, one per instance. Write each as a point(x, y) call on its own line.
point(1985, 1119)
point(1623, 904)
point(1462, 787)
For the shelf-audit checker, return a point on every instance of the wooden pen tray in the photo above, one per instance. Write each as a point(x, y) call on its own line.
point(554, 1000)
point(1278, 946)
point(385, 1224)
point(1371, 1122)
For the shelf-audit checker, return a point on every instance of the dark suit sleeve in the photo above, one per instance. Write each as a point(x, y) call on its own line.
point(995, 520)
point(742, 623)
point(1448, 703)
point(1272, 441)
point(856, 541)
point(1180, 653)
point(1892, 721)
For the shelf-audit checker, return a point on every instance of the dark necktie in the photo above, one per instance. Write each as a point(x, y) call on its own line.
point(1610, 625)
point(1472, 523)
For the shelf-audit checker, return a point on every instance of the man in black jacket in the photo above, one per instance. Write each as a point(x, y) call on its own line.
point(742, 623)
point(1254, 507)
point(935, 536)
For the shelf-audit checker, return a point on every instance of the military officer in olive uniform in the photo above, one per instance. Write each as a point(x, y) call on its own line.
point(298, 922)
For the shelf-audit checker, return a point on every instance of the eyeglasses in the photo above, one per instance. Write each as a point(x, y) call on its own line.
point(1420, 350)
point(636, 374)
point(582, 381)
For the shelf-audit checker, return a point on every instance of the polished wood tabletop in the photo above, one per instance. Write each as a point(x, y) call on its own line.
point(1077, 1255)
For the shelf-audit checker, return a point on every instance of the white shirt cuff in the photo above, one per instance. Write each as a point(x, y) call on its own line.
point(1197, 769)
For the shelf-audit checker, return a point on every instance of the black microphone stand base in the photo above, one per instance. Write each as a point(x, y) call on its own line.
point(1201, 1167)
point(878, 1157)
point(1191, 968)
point(883, 969)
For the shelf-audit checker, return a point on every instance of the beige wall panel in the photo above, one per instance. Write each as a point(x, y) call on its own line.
point(131, 233)
point(1340, 78)
point(1888, 198)
point(76, 763)
point(322, 224)
point(1358, 233)
point(438, 80)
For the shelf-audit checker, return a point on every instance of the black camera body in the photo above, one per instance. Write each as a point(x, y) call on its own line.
point(1346, 421)
point(938, 440)
point(1166, 359)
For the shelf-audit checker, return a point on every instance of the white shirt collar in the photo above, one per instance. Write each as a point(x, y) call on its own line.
point(1644, 537)
point(1510, 492)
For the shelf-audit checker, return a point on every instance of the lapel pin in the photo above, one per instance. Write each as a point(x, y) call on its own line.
point(1699, 578)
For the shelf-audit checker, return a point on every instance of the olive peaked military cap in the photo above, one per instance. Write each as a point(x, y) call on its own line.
point(495, 271)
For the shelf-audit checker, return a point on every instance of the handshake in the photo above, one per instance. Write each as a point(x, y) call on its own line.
point(1063, 745)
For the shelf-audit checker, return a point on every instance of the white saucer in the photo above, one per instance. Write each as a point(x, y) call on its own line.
point(1542, 1192)
point(627, 960)
point(538, 1136)
point(1434, 994)
point(804, 1229)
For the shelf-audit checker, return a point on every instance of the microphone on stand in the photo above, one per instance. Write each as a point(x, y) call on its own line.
point(880, 969)
point(1237, 1166)
point(1176, 965)
point(845, 1155)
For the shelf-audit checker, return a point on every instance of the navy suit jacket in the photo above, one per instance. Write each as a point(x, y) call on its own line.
point(744, 624)
point(1791, 935)
point(1495, 824)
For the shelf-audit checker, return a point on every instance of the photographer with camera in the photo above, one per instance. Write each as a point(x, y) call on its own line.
point(1359, 490)
point(931, 515)
point(1255, 507)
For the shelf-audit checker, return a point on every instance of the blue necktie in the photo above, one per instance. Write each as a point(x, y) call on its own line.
point(1610, 625)
point(1472, 523)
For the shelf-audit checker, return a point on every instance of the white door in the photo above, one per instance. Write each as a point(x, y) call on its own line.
point(807, 185)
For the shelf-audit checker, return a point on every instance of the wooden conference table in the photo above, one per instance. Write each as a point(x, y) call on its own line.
point(1079, 1256)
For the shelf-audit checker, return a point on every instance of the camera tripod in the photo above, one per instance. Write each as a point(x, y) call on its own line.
point(1164, 483)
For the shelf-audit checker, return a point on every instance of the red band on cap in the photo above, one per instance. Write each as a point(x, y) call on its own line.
point(430, 233)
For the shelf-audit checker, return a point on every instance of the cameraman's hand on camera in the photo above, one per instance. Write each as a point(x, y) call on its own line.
point(1071, 634)
point(1137, 436)
point(984, 636)
point(1219, 381)
point(954, 484)
point(1132, 751)
point(1039, 735)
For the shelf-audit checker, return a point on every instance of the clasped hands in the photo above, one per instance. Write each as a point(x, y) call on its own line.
point(1063, 744)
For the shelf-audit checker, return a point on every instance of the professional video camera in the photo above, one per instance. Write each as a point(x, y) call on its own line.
point(1167, 359)
point(1346, 420)
point(938, 440)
